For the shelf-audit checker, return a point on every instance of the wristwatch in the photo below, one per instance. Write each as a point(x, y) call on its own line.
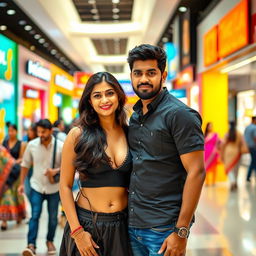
point(182, 232)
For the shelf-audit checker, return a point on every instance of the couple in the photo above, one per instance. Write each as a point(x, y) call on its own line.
point(159, 157)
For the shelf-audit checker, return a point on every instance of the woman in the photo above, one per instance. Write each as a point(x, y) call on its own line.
point(211, 153)
point(231, 151)
point(31, 134)
point(12, 206)
point(98, 150)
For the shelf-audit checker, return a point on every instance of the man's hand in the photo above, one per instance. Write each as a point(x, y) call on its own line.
point(50, 172)
point(21, 189)
point(173, 246)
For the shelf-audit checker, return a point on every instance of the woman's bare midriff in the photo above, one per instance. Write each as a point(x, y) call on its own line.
point(104, 199)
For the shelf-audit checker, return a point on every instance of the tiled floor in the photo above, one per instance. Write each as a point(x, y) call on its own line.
point(225, 225)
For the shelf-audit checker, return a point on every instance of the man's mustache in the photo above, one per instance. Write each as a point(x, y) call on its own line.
point(150, 85)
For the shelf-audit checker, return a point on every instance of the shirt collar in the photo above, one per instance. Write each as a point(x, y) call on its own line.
point(153, 105)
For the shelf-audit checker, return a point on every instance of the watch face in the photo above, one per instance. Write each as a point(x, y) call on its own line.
point(183, 232)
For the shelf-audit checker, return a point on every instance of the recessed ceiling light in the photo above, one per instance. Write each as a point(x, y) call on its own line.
point(115, 10)
point(91, 1)
point(22, 22)
point(27, 27)
point(32, 47)
point(66, 62)
point(41, 40)
point(3, 27)
point(115, 16)
point(37, 36)
point(46, 44)
point(94, 11)
point(11, 12)
point(3, 4)
point(62, 59)
point(165, 39)
point(95, 17)
point(53, 51)
point(115, 1)
point(32, 32)
point(183, 9)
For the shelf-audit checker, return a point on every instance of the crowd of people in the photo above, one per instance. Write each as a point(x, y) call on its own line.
point(140, 182)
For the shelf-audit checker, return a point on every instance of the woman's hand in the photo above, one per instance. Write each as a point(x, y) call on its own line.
point(85, 243)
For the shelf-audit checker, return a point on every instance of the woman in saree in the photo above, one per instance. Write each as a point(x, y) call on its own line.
point(211, 153)
point(231, 151)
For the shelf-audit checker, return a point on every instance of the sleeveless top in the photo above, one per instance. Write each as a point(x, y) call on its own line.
point(105, 175)
point(15, 150)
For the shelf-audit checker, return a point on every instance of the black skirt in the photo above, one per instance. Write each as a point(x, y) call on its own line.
point(108, 230)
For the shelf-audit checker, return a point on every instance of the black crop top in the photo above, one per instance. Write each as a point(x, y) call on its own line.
point(105, 175)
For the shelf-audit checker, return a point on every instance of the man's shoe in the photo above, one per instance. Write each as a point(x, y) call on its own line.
point(50, 248)
point(29, 251)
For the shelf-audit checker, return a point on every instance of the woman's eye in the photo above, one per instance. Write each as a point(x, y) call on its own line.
point(96, 96)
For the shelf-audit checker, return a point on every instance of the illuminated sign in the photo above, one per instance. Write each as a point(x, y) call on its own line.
point(211, 46)
point(185, 77)
point(57, 100)
point(62, 81)
point(33, 94)
point(178, 93)
point(233, 30)
point(35, 69)
point(3, 58)
point(127, 87)
point(81, 79)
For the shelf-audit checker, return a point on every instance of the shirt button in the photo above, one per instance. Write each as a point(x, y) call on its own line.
point(131, 209)
point(137, 158)
point(141, 125)
point(132, 192)
point(134, 173)
point(139, 142)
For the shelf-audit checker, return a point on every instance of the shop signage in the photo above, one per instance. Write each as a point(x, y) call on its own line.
point(185, 77)
point(62, 81)
point(81, 79)
point(127, 87)
point(233, 30)
point(3, 58)
point(35, 69)
point(32, 94)
point(211, 46)
point(181, 93)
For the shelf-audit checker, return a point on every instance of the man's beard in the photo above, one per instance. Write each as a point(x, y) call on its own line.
point(144, 94)
point(44, 139)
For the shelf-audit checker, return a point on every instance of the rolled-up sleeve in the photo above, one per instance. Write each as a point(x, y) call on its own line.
point(27, 157)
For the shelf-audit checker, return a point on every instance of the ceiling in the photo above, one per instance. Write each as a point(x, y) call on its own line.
point(96, 35)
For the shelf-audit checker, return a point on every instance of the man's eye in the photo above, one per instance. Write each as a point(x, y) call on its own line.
point(152, 73)
point(136, 73)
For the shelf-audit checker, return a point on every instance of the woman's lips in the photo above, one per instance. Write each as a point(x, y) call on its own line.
point(106, 107)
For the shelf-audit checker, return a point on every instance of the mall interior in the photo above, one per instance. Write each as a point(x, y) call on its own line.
point(49, 49)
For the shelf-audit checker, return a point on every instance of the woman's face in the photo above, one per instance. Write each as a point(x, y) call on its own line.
point(31, 133)
point(12, 133)
point(210, 127)
point(104, 99)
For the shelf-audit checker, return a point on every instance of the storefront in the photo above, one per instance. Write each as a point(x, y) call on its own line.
point(34, 81)
point(61, 95)
point(225, 45)
point(8, 83)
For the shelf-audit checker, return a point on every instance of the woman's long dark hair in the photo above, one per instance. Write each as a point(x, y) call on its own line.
point(232, 132)
point(91, 144)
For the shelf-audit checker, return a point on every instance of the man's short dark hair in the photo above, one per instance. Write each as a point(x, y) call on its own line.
point(253, 118)
point(44, 123)
point(147, 52)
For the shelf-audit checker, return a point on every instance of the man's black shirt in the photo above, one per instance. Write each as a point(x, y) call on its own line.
point(157, 139)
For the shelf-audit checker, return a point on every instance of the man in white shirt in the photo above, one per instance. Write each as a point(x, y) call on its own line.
point(40, 154)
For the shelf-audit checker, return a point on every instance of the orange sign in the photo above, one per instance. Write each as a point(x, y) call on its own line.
point(233, 30)
point(81, 79)
point(211, 46)
point(185, 77)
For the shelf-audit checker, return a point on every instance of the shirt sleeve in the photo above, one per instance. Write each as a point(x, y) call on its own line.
point(186, 130)
point(27, 158)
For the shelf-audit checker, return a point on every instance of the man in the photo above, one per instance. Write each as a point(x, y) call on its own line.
point(250, 139)
point(167, 145)
point(40, 154)
point(58, 130)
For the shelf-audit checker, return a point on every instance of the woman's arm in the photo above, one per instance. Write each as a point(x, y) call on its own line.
point(22, 150)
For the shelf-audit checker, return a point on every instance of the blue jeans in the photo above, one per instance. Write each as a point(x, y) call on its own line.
point(36, 200)
point(148, 241)
point(252, 164)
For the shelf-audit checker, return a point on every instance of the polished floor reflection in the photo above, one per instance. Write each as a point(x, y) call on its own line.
point(225, 224)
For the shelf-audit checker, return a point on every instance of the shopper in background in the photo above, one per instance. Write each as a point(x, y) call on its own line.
point(12, 205)
point(250, 138)
point(167, 146)
point(58, 130)
point(99, 151)
point(40, 154)
point(211, 153)
point(231, 150)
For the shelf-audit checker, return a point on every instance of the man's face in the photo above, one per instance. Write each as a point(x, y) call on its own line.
point(44, 134)
point(146, 78)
